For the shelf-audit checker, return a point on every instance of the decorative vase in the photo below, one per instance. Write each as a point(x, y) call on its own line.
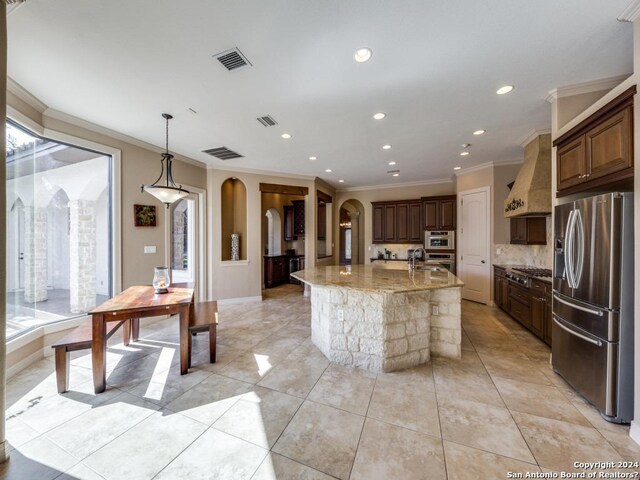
point(161, 279)
point(235, 246)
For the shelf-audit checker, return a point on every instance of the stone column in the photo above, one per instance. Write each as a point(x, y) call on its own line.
point(36, 263)
point(82, 255)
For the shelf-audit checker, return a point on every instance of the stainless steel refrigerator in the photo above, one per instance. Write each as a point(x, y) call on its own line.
point(592, 347)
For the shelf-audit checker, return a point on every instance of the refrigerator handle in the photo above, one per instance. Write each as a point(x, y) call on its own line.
point(576, 334)
point(579, 307)
point(568, 250)
point(580, 233)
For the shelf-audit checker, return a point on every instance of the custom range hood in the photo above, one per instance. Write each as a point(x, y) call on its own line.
point(531, 192)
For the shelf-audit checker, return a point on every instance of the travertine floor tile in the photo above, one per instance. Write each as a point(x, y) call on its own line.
point(556, 444)
point(466, 463)
point(38, 459)
point(344, 387)
point(277, 467)
point(387, 451)
point(323, 438)
point(482, 426)
point(250, 367)
point(260, 416)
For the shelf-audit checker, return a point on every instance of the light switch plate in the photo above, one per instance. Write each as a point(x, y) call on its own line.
point(150, 249)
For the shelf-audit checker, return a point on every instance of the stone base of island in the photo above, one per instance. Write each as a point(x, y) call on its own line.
point(383, 319)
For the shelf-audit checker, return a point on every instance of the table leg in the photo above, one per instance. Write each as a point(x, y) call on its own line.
point(135, 329)
point(184, 340)
point(99, 353)
point(126, 332)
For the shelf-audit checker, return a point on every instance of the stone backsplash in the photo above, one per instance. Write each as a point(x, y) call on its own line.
point(535, 255)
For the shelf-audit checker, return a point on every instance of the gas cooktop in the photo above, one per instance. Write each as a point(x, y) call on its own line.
point(533, 271)
point(522, 274)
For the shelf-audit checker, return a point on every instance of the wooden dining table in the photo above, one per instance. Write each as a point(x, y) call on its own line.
point(134, 303)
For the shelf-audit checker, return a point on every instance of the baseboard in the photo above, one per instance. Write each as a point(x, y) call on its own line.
point(24, 363)
point(634, 432)
point(235, 301)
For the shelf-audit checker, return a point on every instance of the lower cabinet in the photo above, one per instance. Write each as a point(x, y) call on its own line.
point(276, 271)
point(531, 307)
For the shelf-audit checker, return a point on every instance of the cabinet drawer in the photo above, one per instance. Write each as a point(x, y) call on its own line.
point(540, 289)
point(520, 311)
point(519, 294)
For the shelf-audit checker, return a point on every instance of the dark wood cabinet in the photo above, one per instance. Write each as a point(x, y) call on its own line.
point(402, 222)
point(531, 307)
point(276, 270)
point(390, 223)
point(598, 152)
point(416, 233)
point(322, 222)
point(439, 213)
point(288, 223)
point(528, 231)
point(377, 231)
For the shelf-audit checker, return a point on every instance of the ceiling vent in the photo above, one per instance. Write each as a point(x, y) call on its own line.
point(232, 59)
point(223, 153)
point(267, 121)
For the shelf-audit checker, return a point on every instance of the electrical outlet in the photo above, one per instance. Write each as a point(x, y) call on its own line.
point(341, 315)
point(434, 310)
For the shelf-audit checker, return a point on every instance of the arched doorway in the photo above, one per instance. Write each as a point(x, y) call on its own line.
point(351, 238)
point(274, 232)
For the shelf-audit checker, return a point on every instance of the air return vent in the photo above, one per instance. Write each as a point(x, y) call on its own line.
point(267, 121)
point(232, 59)
point(223, 153)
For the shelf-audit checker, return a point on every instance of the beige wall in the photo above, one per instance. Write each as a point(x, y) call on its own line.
point(243, 280)
point(572, 106)
point(365, 197)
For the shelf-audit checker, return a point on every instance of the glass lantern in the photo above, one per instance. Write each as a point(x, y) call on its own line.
point(161, 279)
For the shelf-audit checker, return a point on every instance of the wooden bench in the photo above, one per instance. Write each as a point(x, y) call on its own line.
point(205, 318)
point(79, 339)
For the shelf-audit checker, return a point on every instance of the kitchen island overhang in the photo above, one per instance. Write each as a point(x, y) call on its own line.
point(383, 319)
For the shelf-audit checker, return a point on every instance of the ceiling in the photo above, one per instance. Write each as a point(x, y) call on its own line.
point(434, 72)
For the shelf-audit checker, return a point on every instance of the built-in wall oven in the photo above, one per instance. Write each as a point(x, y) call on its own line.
point(447, 260)
point(439, 240)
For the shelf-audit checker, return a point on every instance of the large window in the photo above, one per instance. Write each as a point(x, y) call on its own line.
point(58, 230)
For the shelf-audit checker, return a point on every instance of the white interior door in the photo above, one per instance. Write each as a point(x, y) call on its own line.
point(475, 222)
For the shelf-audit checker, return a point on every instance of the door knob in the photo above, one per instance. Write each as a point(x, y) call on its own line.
point(482, 261)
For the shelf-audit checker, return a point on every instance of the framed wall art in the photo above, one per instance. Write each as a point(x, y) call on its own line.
point(144, 215)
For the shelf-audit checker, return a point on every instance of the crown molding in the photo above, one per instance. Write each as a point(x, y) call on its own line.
point(14, 6)
point(78, 122)
point(631, 13)
point(586, 87)
point(395, 185)
point(24, 95)
point(532, 135)
point(482, 166)
point(256, 171)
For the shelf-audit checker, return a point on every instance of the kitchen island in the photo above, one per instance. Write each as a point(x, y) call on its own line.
point(384, 318)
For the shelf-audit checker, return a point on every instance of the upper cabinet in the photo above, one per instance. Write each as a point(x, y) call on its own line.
point(439, 213)
point(528, 231)
point(404, 221)
point(597, 152)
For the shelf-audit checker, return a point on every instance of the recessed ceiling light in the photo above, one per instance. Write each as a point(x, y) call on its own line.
point(362, 54)
point(392, 163)
point(504, 90)
point(465, 145)
point(457, 168)
point(341, 181)
point(286, 136)
point(464, 154)
point(396, 174)
point(479, 132)
point(313, 158)
point(328, 170)
point(379, 116)
point(386, 147)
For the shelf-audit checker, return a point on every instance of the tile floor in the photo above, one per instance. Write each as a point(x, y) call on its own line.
point(273, 407)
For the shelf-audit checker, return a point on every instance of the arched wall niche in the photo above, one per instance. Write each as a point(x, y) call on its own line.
point(233, 206)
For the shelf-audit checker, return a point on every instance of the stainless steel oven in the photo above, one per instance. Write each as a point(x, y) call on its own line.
point(447, 260)
point(439, 240)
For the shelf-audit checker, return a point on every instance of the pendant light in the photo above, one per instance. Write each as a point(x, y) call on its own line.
point(169, 192)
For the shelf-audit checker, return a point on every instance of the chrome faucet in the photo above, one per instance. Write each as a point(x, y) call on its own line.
point(412, 260)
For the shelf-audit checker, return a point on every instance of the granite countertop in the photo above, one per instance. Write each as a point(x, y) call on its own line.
point(389, 260)
point(392, 278)
point(283, 255)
